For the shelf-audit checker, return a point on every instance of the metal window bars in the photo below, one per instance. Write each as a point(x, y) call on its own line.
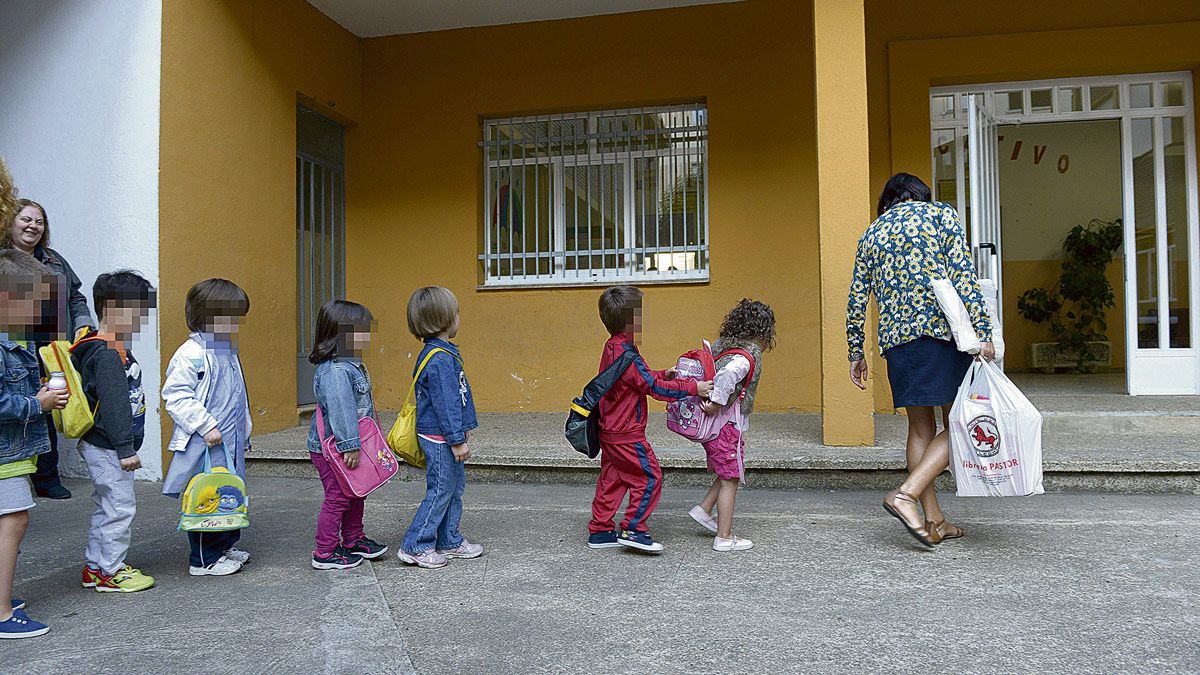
point(596, 197)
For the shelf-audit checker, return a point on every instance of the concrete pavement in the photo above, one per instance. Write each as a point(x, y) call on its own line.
point(1063, 582)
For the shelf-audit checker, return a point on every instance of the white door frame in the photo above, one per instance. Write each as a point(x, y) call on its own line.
point(1162, 370)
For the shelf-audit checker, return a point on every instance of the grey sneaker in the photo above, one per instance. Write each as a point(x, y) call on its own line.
point(464, 550)
point(428, 559)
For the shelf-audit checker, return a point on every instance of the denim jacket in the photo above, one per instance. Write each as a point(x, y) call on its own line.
point(445, 406)
point(22, 422)
point(343, 390)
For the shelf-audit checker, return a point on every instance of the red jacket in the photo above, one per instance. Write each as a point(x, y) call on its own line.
point(623, 408)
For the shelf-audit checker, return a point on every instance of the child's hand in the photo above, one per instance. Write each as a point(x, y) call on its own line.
point(52, 400)
point(703, 389)
point(709, 407)
point(462, 452)
point(670, 373)
point(131, 463)
point(213, 438)
point(350, 459)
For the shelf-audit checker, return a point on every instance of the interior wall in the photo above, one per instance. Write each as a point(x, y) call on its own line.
point(232, 71)
point(415, 189)
point(79, 123)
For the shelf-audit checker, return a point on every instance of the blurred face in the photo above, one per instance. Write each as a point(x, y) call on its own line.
point(22, 308)
point(226, 326)
point(125, 321)
point(635, 327)
point(358, 339)
point(28, 228)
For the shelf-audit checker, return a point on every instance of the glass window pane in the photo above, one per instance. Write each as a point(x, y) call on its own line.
point(1105, 97)
point(1041, 100)
point(1175, 177)
point(1141, 95)
point(942, 107)
point(1145, 232)
point(1010, 102)
point(1172, 93)
point(945, 171)
point(1070, 99)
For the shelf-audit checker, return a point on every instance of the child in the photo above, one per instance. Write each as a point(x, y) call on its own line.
point(343, 390)
point(627, 462)
point(112, 382)
point(205, 394)
point(445, 417)
point(23, 402)
point(749, 327)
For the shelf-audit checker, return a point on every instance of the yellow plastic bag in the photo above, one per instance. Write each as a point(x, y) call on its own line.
point(77, 418)
point(402, 439)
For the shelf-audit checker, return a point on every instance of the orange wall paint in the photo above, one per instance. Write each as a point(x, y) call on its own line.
point(415, 184)
point(231, 73)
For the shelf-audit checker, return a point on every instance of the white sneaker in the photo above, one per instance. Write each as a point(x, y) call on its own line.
point(221, 568)
point(428, 559)
point(701, 516)
point(734, 544)
point(237, 556)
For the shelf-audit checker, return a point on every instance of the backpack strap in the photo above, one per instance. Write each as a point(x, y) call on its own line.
point(599, 385)
point(412, 388)
point(749, 357)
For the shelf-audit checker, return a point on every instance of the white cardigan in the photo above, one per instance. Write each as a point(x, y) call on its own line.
point(185, 394)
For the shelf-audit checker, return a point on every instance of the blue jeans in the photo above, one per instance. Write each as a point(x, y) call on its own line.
point(436, 522)
point(208, 547)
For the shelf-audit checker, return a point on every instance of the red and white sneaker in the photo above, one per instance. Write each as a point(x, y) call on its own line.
point(90, 577)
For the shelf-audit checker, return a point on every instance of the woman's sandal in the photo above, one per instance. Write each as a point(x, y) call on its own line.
point(941, 531)
point(892, 504)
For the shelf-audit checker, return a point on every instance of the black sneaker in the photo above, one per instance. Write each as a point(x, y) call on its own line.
point(603, 540)
point(367, 548)
point(53, 492)
point(641, 541)
point(340, 559)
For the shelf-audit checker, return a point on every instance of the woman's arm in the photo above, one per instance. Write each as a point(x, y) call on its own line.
point(856, 305)
point(961, 271)
point(77, 306)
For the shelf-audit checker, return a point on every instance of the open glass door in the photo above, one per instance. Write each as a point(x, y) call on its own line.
point(983, 216)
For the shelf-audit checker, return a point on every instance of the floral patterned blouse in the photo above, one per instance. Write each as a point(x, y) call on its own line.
point(910, 245)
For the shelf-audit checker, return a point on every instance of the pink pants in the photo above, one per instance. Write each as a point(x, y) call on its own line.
point(340, 520)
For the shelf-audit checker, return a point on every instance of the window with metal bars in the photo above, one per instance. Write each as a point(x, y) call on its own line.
point(596, 197)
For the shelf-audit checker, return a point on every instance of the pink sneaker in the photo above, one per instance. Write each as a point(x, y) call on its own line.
point(464, 550)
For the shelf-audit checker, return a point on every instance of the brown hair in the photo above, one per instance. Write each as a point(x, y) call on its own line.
point(20, 272)
point(617, 307)
point(750, 320)
point(431, 310)
point(212, 298)
point(335, 318)
point(8, 205)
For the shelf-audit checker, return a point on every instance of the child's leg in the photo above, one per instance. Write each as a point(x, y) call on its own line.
point(710, 499)
point(108, 540)
point(12, 530)
point(352, 521)
point(610, 490)
point(439, 488)
point(727, 495)
point(329, 519)
point(448, 536)
point(207, 548)
point(646, 488)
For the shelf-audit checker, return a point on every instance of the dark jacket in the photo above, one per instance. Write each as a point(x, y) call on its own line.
point(445, 406)
point(78, 314)
point(114, 390)
point(623, 408)
point(22, 425)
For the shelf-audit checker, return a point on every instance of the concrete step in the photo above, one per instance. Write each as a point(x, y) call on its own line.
point(784, 451)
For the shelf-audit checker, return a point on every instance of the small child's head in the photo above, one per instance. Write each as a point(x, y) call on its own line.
point(24, 284)
point(216, 306)
point(123, 302)
point(621, 309)
point(343, 329)
point(433, 312)
point(750, 321)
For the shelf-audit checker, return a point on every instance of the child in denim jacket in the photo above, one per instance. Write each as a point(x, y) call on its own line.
point(445, 417)
point(23, 403)
point(343, 391)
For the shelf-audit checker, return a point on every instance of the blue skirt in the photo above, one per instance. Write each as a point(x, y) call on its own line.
point(926, 372)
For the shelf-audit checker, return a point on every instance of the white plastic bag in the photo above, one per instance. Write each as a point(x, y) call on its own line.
point(995, 437)
point(991, 300)
point(956, 315)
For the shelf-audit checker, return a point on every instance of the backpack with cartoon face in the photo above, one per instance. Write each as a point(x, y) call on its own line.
point(215, 500)
point(685, 416)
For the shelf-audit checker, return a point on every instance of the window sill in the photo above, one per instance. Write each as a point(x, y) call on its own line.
point(596, 282)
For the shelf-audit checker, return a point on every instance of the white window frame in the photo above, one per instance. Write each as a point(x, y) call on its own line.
point(688, 120)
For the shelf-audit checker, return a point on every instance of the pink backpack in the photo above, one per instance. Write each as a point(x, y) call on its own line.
point(685, 417)
point(376, 463)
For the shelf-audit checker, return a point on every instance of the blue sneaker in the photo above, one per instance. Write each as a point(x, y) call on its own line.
point(18, 604)
point(604, 540)
point(642, 541)
point(21, 626)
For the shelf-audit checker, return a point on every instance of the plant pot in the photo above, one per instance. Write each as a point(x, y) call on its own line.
point(1049, 356)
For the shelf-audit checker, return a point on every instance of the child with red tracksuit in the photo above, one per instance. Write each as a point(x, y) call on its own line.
point(627, 462)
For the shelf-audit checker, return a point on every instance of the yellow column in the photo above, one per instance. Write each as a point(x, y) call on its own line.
point(844, 198)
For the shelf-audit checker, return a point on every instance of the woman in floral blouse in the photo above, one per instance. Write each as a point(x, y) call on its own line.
point(913, 242)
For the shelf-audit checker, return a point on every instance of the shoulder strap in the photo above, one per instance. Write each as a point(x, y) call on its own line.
point(600, 384)
point(421, 368)
point(740, 352)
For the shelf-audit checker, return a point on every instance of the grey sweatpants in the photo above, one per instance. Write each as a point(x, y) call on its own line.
point(108, 537)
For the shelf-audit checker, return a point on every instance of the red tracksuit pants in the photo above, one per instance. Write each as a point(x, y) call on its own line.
point(626, 468)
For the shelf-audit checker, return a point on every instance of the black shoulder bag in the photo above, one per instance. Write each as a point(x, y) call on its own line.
point(583, 422)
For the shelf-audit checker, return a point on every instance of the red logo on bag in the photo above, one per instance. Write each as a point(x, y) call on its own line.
point(984, 435)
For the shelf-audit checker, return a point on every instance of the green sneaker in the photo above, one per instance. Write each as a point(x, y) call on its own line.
point(128, 580)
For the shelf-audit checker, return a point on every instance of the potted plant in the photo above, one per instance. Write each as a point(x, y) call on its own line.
point(1075, 307)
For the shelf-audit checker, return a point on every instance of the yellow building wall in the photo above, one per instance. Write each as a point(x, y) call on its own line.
point(231, 74)
point(415, 190)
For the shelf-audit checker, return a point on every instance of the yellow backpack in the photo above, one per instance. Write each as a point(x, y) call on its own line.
point(402, 439)
point(77, 418)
